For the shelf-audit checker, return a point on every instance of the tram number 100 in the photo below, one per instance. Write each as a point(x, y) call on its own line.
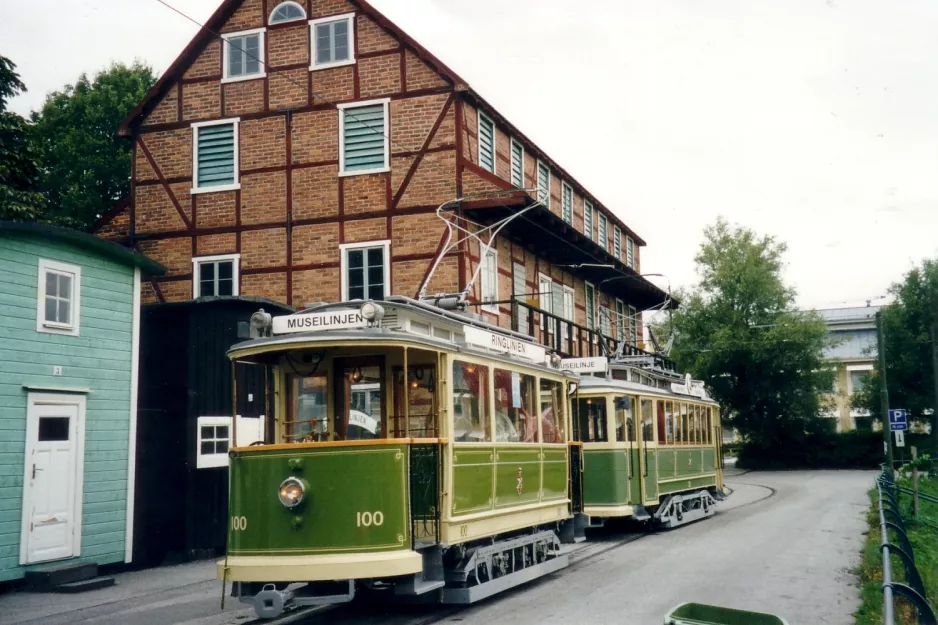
point(367, 519)
point(239, 523)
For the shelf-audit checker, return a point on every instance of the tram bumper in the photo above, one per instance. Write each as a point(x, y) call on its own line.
point(314, 568)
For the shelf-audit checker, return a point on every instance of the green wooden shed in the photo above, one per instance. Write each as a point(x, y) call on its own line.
point(69, 343)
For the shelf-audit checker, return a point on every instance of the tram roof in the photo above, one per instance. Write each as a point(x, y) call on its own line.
point(590, 385)
point(405, 321)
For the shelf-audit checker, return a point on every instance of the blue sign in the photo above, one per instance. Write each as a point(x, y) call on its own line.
point(897, 420)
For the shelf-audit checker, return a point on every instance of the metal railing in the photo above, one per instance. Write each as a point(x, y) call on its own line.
point(571, 339)
point(890, 518)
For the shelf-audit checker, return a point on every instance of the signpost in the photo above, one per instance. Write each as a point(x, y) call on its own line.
point(900, 438)
point(897, 420)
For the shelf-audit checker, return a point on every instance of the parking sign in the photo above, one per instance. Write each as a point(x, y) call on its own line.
point(897, 420)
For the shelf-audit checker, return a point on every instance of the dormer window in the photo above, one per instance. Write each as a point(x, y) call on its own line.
point(287, 12)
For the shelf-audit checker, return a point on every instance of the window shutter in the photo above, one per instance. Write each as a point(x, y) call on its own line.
point(603, 243)
point(617, 242)
point(364, 138)
point(588, 219)
point(590, 307)
point(567, 204)
point(216, 155)
point(517, 164)
point(556, 299)
point(543, 184)
point(519, 286)
point(486, 143)
point(630, 252)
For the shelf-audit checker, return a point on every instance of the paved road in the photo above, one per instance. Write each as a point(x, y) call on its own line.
point(784, 543)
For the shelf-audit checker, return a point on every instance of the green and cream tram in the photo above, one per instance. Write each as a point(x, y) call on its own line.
point(412, 450)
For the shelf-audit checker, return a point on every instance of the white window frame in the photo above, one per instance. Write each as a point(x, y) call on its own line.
point(387, 133)
point(195, 157)
point(565, 190)
point(350, 17)
point(52, 327)
point(235, 273)
point(262, 61)
point(343, 263)
point(270, 18)
point(633, 326)
point(629, 252)
point(493, 253)
point(603, 233)
point(588, 208)
point(215, 460)
point(491, 122)
point(537, 183)
point(856, 412)
point(590, 323)
point(511, 162)
point(545, 299)
point(568, 313)
point(617, 242)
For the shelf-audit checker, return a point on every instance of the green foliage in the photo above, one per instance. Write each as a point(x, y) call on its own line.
point(907, 324)
point(824, 450)
point(738, 332)
point(19, 173)
point(85, 166)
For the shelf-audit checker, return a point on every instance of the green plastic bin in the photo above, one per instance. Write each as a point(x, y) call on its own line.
point(701, 614)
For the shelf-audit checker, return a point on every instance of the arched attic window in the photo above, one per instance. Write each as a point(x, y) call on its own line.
point(287, 12)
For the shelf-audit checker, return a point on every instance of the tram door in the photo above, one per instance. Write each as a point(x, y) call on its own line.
point(628, 431)
point(647, 452)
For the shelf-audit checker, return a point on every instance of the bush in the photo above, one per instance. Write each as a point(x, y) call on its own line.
point(820, 450)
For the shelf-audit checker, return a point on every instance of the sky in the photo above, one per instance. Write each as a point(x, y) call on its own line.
point(813, 121)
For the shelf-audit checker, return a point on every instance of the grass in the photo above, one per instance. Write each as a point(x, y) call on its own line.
point(924, 541)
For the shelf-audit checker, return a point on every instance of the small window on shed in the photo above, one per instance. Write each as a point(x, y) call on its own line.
point(214, 438)
point(287, 12)
point(58, 298)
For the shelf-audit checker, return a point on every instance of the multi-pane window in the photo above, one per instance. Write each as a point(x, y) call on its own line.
point(590, 306)
point(365, 272)
point(214, 439)
point(617, 242)
point(544, 295)
point(58, 300)
point(287, 12)
point(486, 143)
point(620, 320)
point(363, 138)
point(333, 41)
point(588, 219)
point(517, 164)
point(629, 252)
point(471, 403)
point(553, 400)
point(605, 321)
point(215, 276)
point(633, 326)
point(244, 55)
point(567, 203)
point(602, 231)
point(543, 184)
point(490, 281)
point(519, 290)
point(215, 149)
point(515, 412)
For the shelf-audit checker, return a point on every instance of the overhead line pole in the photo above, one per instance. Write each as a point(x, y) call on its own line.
point(884, 390)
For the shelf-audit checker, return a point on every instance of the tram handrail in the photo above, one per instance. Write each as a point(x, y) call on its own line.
point(914, 591)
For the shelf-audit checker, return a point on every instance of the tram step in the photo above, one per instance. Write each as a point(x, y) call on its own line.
point(49, 577)
point(85, 585)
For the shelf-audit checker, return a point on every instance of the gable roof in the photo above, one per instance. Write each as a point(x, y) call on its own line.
point(105, 248)
point(227, 8)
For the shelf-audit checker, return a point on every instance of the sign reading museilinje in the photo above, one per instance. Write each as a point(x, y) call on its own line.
point(311, 322)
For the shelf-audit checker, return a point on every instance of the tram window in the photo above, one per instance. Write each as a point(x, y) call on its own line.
point(669, 421)
point(552, 417)
point(697, 424)
point(648, 423)
point(421, 391)
point(625, 422)
point(685, 426)
point(591, 420)
point(361, 401)
point(662, 433)
point(678, 430)
point(306, 419)
point(514, 407)
point(470, 403)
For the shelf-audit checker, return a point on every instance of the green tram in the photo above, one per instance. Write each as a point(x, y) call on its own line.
point(414, 450)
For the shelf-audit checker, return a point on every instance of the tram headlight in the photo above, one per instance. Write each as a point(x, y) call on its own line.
point(292, 491)
point(373, 313)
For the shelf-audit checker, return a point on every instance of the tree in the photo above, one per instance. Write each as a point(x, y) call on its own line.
point(737, 331)
point(19, 173)
point(908, 323)
point(85, 166)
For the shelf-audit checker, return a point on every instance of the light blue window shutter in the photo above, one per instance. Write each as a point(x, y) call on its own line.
point(567, 204)
point(543, 184)
point(602, 231)
point(517, 164)
point(617, 242)
point(486, 143)
point(590, 307)
point(630, 252)
point(364, 138)
point(216, 164)
point(588, 219)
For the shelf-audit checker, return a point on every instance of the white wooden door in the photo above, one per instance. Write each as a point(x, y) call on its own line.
point(53, 475)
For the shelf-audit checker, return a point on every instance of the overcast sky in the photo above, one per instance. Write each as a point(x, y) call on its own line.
point(811, 120)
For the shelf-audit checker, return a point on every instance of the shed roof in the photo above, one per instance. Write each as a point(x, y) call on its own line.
point(90, 242)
